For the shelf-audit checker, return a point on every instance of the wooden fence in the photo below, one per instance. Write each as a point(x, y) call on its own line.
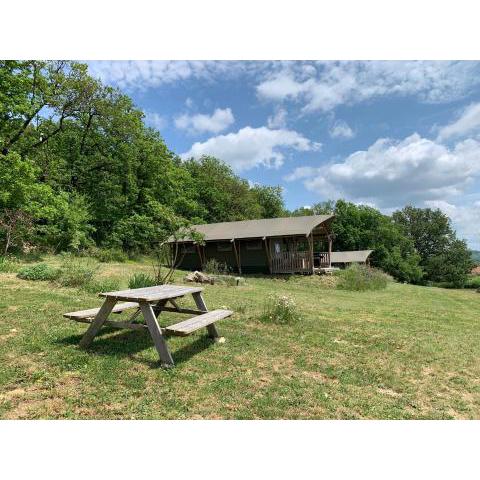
point(292, 262)
point(321, 259)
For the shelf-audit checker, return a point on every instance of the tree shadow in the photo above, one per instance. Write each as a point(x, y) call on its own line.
point(128, 343)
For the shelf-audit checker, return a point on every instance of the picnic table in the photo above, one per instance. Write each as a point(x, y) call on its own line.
point(151, 302)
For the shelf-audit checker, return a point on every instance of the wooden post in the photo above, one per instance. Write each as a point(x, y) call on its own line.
point(202, 260)
point(267, 253)
point(329, 250)
point(310, 245)
point(237, 255)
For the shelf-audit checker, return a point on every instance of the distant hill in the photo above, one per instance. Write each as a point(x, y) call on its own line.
point(476, 256)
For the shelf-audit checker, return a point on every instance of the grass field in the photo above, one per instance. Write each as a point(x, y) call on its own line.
point(404, 352)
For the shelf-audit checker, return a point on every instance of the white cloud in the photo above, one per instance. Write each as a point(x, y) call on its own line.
point(252, 147)
point(278, 119)
point(392, 173)
point(467, 123)
point(301, 172)
point(189, 103)
point(218, 121)
point(465, 219)
point(341, 129)
point(331, 84)
point(155, 120)
point(142, 74)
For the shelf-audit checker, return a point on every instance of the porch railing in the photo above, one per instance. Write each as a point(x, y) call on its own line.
point(292, 262)
point(321, 259)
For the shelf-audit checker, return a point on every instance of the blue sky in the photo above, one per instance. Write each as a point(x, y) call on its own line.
point(380, 133)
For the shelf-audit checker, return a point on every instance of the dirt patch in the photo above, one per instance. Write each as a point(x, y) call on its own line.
point(320, 377)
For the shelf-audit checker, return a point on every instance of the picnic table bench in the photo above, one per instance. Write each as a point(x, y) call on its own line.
point(151, 301)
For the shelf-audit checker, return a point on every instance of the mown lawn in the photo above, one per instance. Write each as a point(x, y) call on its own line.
point(406, 352)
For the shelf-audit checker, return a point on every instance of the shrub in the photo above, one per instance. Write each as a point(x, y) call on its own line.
point(101, 285)
point(473, 281)
point(76, 272)
point(109, 255)
point(361, 277)
point(40, 271)
point(214, 267)
point(280, 310)
point(141, 280)
point(8, 265)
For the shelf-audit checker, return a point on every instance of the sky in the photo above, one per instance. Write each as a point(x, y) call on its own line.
point(380, 133)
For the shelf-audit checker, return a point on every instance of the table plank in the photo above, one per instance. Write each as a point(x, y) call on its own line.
point(151, 294)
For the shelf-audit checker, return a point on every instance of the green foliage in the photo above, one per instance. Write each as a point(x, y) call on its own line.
point(270, 200)
point(109, 255)
point(8, 264)
point(361, 278)
point(214, 267)
point(101, 285)
point(76, 272)
point(39, 271)
point(473, 281)
point(141, 280)
point(360, 227)
point(280, 309)
point(443, 257)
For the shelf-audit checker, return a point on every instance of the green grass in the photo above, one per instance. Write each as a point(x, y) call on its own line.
point(403, 352)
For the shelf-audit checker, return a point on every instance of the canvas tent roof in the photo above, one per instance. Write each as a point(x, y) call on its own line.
point(267, 227)
point(358, 256)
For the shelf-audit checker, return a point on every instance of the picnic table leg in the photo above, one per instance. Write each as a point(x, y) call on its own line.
point(211, 329)
point(156, 333)
point(98, 321)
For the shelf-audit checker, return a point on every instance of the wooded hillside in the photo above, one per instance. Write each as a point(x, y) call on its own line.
point(80, 169)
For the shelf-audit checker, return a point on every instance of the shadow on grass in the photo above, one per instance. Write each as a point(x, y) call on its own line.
point(128, 343)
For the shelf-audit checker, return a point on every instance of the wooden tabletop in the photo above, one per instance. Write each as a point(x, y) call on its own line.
point(152, 294)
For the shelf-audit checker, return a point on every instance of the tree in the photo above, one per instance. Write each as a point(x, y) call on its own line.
point(270, 200)
point(222, 195)
point(443, 257)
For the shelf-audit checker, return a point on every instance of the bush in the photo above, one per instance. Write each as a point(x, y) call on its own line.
point(473, 281)
point(361, 278)
point(141, 280)
point(110, 255)
point(214, 267)
point(40, 271)
point(8, 265)
point(76, 272)
point(280, 310)
point(101, 285)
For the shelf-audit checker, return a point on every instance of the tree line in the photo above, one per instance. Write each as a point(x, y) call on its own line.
point(79, 168)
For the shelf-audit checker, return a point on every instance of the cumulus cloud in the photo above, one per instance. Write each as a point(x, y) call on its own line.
point(341, 129)
point(278, 119)
point(143, 74)
point(392, 173)
point(330, 84)
point(252, 147)
point(218, 121)
point(468, 123)
point(155, 120)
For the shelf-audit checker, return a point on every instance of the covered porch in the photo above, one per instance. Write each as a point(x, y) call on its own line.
point(300, 254)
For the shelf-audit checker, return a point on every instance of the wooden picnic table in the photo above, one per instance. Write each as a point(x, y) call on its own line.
point(151, 301)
